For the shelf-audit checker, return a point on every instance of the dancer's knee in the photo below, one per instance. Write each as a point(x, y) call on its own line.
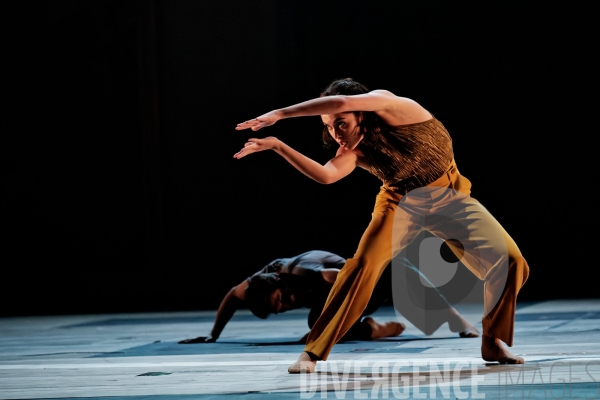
point(518, 267)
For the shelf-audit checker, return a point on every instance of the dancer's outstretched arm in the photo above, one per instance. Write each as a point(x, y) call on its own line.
point(229, 305)
point(335, 169)
point(392, 109)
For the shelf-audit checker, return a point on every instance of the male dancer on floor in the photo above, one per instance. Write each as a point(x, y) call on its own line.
point(305, 281)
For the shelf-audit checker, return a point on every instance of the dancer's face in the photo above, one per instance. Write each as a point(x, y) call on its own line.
point(344, 128)
point(282, 300)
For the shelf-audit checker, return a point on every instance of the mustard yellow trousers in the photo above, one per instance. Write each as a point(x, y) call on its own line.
point(446, 209)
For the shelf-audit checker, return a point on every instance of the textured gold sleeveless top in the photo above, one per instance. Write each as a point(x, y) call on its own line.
point(406, 157)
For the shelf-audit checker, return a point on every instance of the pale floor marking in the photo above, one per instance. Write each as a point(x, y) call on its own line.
point(104, 355)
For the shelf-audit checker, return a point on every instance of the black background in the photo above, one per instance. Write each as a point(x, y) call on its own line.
point(120, 190)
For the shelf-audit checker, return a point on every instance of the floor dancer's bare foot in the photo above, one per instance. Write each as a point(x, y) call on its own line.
point(304, 364)
point(493, 350)
point(388, 329)
point(458, 323)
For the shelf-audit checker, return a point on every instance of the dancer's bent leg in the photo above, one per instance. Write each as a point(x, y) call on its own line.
point(352, 290)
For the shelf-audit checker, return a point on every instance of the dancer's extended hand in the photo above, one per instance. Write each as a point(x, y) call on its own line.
point(256, 145)
point(257, 123)
point(199, 339)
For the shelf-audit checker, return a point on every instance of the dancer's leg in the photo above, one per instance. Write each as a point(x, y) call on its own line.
point(381, 294)
point(499, 323)
point(481, 244)
point(493, 256)
point(352, 289)
point(367, 328)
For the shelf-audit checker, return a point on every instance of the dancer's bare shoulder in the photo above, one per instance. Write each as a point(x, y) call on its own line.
point(400, 110)
point(359, 157)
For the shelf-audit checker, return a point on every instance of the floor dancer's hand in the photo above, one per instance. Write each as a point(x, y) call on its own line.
point(199, 339)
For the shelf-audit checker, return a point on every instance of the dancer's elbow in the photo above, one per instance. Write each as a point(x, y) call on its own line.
point(340, 103)
point(328, 179)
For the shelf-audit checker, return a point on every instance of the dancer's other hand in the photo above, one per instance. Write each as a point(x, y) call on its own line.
point(257, 123)
point(199, 339)
point(255, 145)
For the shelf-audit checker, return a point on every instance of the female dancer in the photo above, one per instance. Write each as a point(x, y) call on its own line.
point(410, 151)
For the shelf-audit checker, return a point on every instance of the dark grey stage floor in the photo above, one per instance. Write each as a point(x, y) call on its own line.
point(136, 356)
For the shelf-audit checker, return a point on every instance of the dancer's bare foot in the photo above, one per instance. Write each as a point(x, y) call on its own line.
point(388, 329)
point(458, 323)
point(493, 350)
point(469, 333)
point(304, 364)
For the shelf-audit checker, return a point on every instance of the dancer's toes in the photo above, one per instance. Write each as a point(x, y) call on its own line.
point(458, 323)
point(303, 364)
point(493, 350)
point(302, 367)
point(512, 360)
point(395, 328)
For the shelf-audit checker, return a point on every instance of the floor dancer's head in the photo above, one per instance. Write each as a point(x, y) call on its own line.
point(267, 293)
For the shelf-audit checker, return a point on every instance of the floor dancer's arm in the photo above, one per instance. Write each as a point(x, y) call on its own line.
point(330, 274)
point(229, 305)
